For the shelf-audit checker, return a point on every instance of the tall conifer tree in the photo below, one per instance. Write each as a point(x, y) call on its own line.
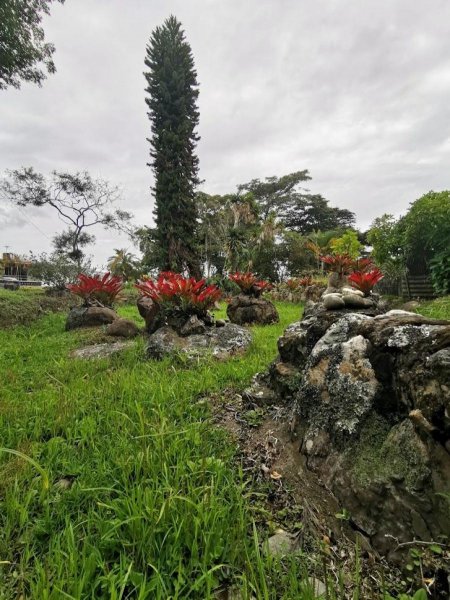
point(172, 101)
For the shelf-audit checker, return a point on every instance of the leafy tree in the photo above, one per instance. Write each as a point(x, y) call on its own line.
point(310, 212)
point(24, 54)
point(426, 234)
point(80, 202)
point(123, 264)
point(387, 241)
point(297, 209)
point(57, 270)
point(348, 244)
point(427, 225)
point(172, 90)
point(274, 193)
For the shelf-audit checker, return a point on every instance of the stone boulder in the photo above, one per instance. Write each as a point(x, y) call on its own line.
point(220, 342)
point(123, 328)
point(150, 312)
point(100, 350)
point(92, 316)
point(371, 400)
point(245, 309)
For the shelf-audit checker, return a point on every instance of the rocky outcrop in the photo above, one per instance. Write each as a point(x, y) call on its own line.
point(92, 316)
point(371, 399)
point(220, 342)
point(244, 309)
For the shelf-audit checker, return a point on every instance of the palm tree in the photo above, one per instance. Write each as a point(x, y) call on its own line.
point(123, 263)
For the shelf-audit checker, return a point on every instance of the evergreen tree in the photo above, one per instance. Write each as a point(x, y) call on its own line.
point(172, 101)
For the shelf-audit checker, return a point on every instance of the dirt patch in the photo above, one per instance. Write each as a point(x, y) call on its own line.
point(285, 494)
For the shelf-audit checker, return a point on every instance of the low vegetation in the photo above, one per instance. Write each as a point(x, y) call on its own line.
point(27, 304)
point(436, 309)
point(118, 485)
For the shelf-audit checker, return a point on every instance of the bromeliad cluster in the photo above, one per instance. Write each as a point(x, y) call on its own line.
point(361, 273)
point(97, 290)
point(249, 284)
point(174, 293)
point(299, 282)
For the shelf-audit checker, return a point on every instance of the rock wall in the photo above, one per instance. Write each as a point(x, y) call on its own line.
point(370, 394)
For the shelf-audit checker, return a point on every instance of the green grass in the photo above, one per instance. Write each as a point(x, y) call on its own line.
point(18, 307)
point(120, 486)
point(436, 309)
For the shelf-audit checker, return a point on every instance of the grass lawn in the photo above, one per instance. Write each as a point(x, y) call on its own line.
point(18, 307)
point(436, 309)
point(121, 487)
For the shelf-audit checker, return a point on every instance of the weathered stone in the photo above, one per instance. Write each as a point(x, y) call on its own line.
point(123, 328)
point(250, 310)
point(356, 301)
point(220, 322)
point(193, 326)
point(150, 312)
point(100, 350)
point(280, 544)
point(372, 414)
point(92, 316)
point(312, 293)
point(259, 392)
point(333, 301)
point(349, 290)
point(221, 342)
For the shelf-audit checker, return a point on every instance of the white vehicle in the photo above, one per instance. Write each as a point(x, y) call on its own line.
point(9, 283)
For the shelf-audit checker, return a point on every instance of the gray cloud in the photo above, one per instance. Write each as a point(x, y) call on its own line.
point(356, 92)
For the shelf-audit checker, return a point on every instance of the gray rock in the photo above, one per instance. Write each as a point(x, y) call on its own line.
point(349, 290)
point(356, 301)
point(220, 322)
point(123, 328)
point(259, 393)
point(333, 301)
point(371, 403)
point(193, 326)
point(150, 312)
point(280, 544)
point(250, 310)
point(100, 350)
point(92, 316)
point(220, 342)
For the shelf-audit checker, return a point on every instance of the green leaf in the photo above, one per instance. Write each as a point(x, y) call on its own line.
point(420, 595)
point(436, 549)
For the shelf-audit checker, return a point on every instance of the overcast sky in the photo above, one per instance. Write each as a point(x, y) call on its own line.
point(358, 92)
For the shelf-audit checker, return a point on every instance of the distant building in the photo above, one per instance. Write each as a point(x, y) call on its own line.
point(12, 265)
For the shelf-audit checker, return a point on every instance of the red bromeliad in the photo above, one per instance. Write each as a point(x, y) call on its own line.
point(249, 283)
point(365, 281)
point(363, 265)
point(293, 284)
point(339, 263)
point(174, 291)
point(96, 289)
